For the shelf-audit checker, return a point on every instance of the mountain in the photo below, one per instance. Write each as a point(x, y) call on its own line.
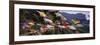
point(80, 16)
